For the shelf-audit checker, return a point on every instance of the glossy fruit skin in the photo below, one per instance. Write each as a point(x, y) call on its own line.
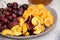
point(9, 5)
point(9, 9)
point(1, 11)
point(14, 15)
point(15, 11)
point(5, 26)
point(25, 6)
point(29, 22)
point(1, 28)
point(11, 24)
point(7, 13)
point(20, 13)
point(8, 17)
point(15, 5)
point(21, 9)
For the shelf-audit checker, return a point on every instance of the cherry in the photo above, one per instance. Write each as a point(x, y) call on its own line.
point(15, 5)
point(21, 9)
point(2, 17)
point(15, 11)
point(5, 20)
point(0, 24)
point(7, 13)
point(14, 15)
point(25, 6)
point(1, 28)
point(9, 9)
point(1, 9)
point(5, 26)
point(9, 5)
point(10, 17)
point(20, 13)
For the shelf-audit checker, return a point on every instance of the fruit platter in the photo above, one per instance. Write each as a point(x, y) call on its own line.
point(26, 21)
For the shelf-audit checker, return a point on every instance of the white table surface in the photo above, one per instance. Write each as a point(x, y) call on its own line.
point(52, 35)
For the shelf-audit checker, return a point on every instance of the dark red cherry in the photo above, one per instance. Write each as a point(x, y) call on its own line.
point(7, 13)
point(15, 5)
point(9, 5)
point(10, 17)
point(14, 15)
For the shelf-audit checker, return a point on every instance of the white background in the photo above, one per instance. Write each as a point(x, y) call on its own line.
point(55, 33)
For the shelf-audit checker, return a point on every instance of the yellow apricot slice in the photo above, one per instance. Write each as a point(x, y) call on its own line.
point(7, 32)
point(21, 20)
point(37, 20)
point(27, 34)
point(39, 29)
point(50, 15)
point(48, 22)
point(16, 33)
point(25, 28)
point(19, 29)
point(15, 27)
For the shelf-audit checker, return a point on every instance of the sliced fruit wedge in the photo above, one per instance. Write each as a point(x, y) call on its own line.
point(7, 32)
point(48, 22)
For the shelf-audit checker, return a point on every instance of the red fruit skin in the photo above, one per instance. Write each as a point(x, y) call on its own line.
point(9, 5)
point(15, 11)
point(15, 5)
point(5, 26)
point(1, 28)
point(7, 13)
point(14, 15)
point(10, 18)
point(5, 20)
point(21, 9)
point(2, 16)
point(30, 26)
point(29, 22)
point(9, 9)
point(13, 23)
